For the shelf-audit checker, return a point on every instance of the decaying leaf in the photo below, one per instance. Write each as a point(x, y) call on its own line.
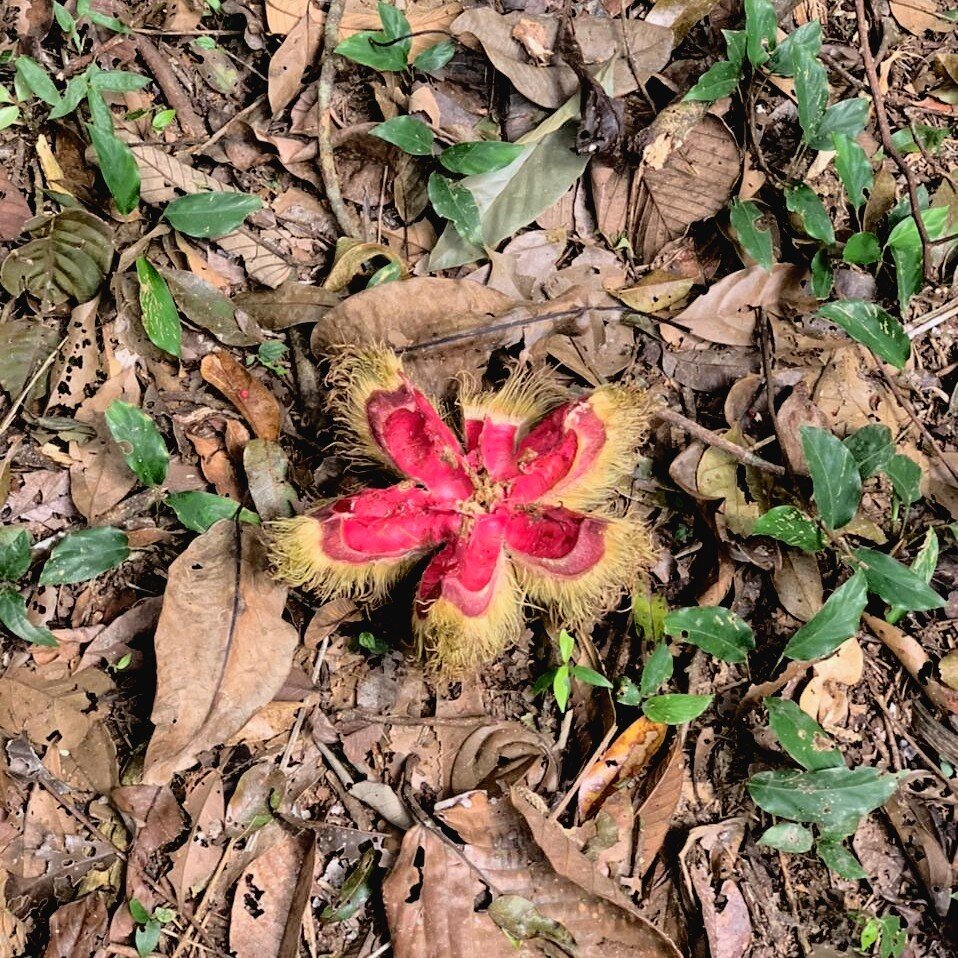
point(235, 655)
point(257, 404)
point(14, 210)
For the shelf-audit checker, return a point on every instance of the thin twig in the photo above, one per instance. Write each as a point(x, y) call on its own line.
point(324, 95)
point(176, 96)
point(881, 115)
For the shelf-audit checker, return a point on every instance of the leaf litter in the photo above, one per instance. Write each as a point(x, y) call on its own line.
point(690, 199)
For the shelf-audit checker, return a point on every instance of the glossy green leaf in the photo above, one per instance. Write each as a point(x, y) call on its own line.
point(788, 837)
point(871, 447)
point(835, 478)
point(801, 736)
point(356, 888)
point(119, 168)
point(583, 673)
point(924, 565)
point(840, 860)
point(435, 57)
point(410, 134)
point(675, 709)
point(756, 241)
point(648, 612)
point(147, 937)
point(77, 88)
point(138, 911)
point(896, 583)
point(8, 116)
point(160, 318)
point(835, 622)
point(872, 326)
point(811, 93)
point(761, 24)
point(454, 202)
point(385, 274)
point(853, 168)
point(13, 616)
point(791, 526)
point(719, 631)
point(656, 671)
point(806, 41)
point(566, 645)
point(719, 80)
point(627, 692)
point(118, 81)
point(562, 687)
point(823, 278)
point(905, 476)
point(830, 796)
point(862, 249)
point(805, 202)
point(31, 75)
point(847, 118)
point(79, 556)
point(367, 46)
point(481, 157)
point(163, 119)
point(930, 138)
point(905, 245)
point(143, 446)
point(210, 215)
point(14, 553)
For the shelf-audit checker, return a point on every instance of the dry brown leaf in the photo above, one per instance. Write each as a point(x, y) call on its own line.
point(296, 53)
point(917, 16)
point(948, 669)
point(196, 860)
point(233, 657)
point(825, 698)
point(431, 908)
point(77, 363)
point(654, 814)
point(679, 15)
point(423, 15)
point(78, 929)
point(502, 753)
point(14, 209)
point(258, 251)
point(283, 15)
point(726, 312)
point(796, 411)
point(601, 40)
point(287, 305)
point(656, 291)
point(113, 642)
point(694, 183)
point(798, 583)
point(628, 754)
point(255, 402)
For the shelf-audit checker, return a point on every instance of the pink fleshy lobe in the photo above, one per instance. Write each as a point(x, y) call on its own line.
point(418, 442)
point(384, 523)
point(491, 446)
point(559, 541)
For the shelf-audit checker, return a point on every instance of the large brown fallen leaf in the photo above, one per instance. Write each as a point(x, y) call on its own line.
point(434, 908)
point(222, 647)
point(917, 16)
point(693, 183)
point(78, 929)
point(601, 40)
point(296, 53)
point(257, 404)
point(14, 209)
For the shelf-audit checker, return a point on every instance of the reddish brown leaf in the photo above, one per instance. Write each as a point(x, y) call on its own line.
point(14, 210)
point(256, 403)
point(78, 929)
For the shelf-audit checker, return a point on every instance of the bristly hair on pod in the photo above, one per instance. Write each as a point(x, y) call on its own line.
point(527, 396)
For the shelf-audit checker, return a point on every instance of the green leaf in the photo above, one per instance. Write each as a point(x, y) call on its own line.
point(481, 157)
point(837, 620)
point(806, 203)
point(385, 274)
point(719, 631)
point(675, 709)
point(205, 306)
point(138, 912)
point(905, 245)
point(68, 259)
point(924, 565)
point(356, 888)
point(847, 118)
point(361, 48)
point(119, 168)
point(801, 736)
point(199, 510)
point(719, 80)
point(562, 687)
point(896, 583)
point(627, 692)
point(806, 41)
point(372, 643)
point(648, 613)
point(79, 556)
point(835, 477)
point(147, 937)
point(566, 645)
point(872, 448)
point(408, 133)
point(757, 242)
point(163, 119)
point(14, 553)
point(76, 90)
point(656, 671)
point(905, 475)
point(8, 116)
point(13, 615)
point(395, 24)
point(435, 57)
point(862, 249)
point(37, 80)
point(822, 276)
point(544, 681)
point(830, 796)
point(811, 93)
point(160, 318)
point(454, 202)
point(840, 860)
point(788, 837)
point(761, 24)
point(211, 215)
point(873, 327)
point(791, 526)
point(143, 446)
point(589, 676)
point(907, 140)
point(118, 81)
point(853, 168)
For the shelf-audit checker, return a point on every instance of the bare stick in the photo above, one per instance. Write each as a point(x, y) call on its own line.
point(871, 71)
point(175, 94)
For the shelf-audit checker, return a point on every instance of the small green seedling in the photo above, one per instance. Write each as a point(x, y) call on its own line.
point(883, 936)
point(560, 678)
point(150, 928)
